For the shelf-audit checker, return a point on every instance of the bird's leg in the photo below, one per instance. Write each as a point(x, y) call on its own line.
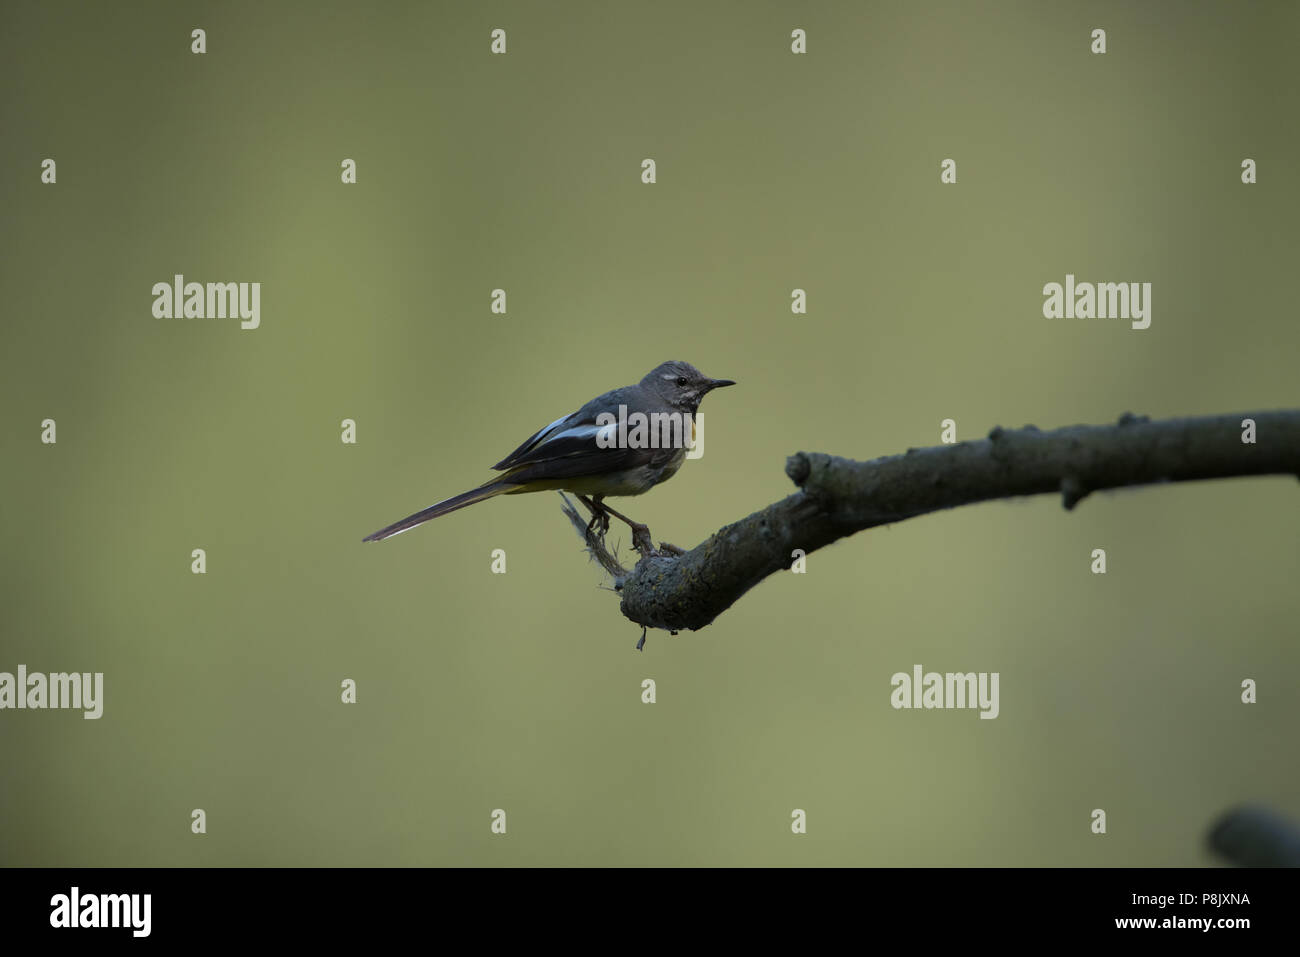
point(599, 514)
point(640, 533)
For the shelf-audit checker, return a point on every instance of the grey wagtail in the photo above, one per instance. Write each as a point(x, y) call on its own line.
point(575, 454)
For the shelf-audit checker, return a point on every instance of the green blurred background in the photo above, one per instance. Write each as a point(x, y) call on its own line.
point(523, 691)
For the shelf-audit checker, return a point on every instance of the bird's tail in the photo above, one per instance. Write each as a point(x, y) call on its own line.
point(441, 508)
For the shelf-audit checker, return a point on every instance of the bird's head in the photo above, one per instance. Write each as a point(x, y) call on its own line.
point(681, 385)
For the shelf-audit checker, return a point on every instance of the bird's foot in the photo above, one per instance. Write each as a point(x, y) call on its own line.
point(600, 523)
point(599, 517)
point(641, 540)
point(668, 548)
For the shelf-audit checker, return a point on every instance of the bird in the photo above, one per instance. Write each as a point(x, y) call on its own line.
point(581, 453)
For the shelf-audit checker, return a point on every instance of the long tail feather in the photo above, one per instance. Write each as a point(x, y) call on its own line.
point(441, 508)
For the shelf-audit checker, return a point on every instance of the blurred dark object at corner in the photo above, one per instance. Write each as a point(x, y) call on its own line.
point(1256, 837)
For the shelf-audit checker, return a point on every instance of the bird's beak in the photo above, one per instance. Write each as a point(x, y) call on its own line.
point(719, 383)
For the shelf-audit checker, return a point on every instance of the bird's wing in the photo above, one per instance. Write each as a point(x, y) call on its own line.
point(533, 447)
point(575, 432)
point(568, 447)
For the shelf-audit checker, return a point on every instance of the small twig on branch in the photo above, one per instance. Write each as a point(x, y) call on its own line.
point(839, 496)
point(595, 544)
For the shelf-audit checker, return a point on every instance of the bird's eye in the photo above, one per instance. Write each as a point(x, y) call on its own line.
point(681, 380)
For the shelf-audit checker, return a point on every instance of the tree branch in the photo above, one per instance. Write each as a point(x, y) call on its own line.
point(839, 497)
